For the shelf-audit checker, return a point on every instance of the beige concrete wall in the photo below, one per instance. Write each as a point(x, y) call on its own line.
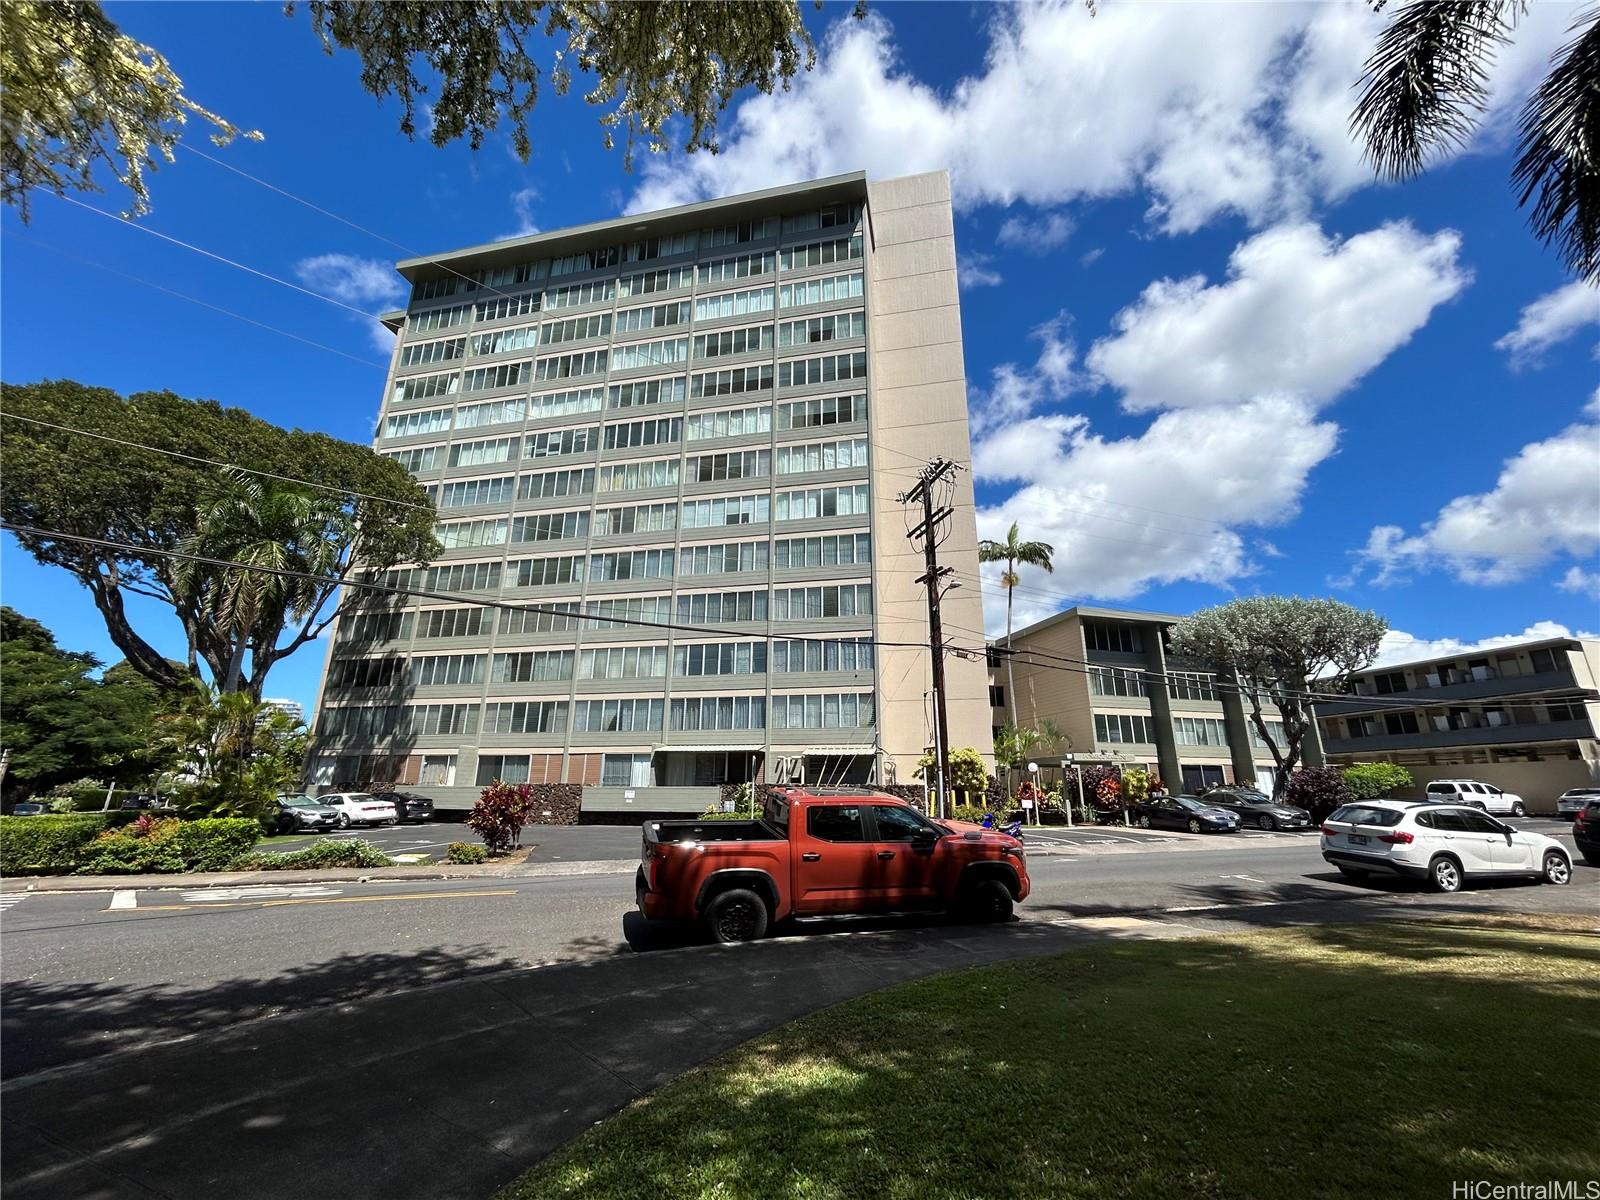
point(1539, 783)
point(1045, 693)
point(917, 394)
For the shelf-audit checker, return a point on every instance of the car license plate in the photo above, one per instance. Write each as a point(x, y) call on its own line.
point(1358, 839)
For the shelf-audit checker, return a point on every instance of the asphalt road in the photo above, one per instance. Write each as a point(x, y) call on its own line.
point(88, 972)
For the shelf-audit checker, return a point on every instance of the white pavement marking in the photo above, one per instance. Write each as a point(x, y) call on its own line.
point(274, 892)
point(1248, 878)
point(10, 898)
point(123, 899)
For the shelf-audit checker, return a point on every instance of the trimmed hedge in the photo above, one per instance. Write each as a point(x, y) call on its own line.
point(355, 853)
point(46, 845)
point(466, 853)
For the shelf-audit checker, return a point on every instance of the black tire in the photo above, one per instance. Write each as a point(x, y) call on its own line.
point(1144, 822)
point(1557, 868)
point(1519, 809)
point(1265, 822)
point(1351, 872)
point(987, 901)
point(344, 820)
point(737, 915)
point(1194, 825)
point(1445, 875)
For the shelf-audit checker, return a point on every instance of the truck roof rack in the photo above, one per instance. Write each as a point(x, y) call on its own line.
point(828, 791)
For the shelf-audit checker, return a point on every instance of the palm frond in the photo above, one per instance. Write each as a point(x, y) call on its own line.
point(1558, 159)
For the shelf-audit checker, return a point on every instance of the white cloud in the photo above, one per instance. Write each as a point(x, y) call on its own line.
point(522, 204)
point(1585, 583)
point(974, 270)
point(1047, 232)
point(1552, 318)
point(1300, 312)
point(1015, 392)
point(1247, 114)
point(364, 282)
point(1398, 646)
point(1545, 504)
point(1090, 257)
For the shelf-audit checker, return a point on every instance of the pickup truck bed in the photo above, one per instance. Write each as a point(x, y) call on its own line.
point(710, 831)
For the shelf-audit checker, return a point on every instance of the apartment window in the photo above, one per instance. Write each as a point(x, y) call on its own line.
point(621, 611)
point(1199, 731)
point(506, 768)
point(842, 216)
point(512, 276)
point(563, 404)
point(569, 366)
point(418, 458)
point(617, 716)
point(733, 382)
point(532, 666)
point(366, 672)
point(508, 306)
point(650, 354)
point(700, 608)
point(1107, 681)
point(1274, 730)
point(726, 510)
point(554, 618)
point(503, 341)
point(829, 710)
point(822, 290)
point(817, 654)
point(484, 453)
point(438, 318)
point(720, 713)
point(525, 716)
point(733, 304)
point(647, 391)
point(638, 518)
point(733, 341)
point(656, 281)
point(586, 260)
point(492, 412)
point(735, 464)
point(1398, 723)
point(426, 387)
point(376, 627)
point(723, 557)
point(556, 483)
point(559, 442)
point(830, 328)
point(577, 294)
point(546, 572)
point(412, 424)
point(997, 696)
point(623, 662)
point(820, 254)
point(1566, 712)
point(449, 577)
point(1122, 728)
point(636, 564)
point(822, 456)
point(422, 354)
point(821, 502)
point(828, 550)
point(436, 289)
point(726, 270)
point(827, 600)
point(652, 316)
point(1191, 685)
point(484, 379)
point(825, 410)
point(833, 368)
point(744, 231)
point(1544, 660)
point(1389, 682)
point(437, 770)
point(451, 622)
point(661, 247)
point(454, 535)
point(660, 432)
point(634, 476)
point(446, 668)
point(550, 527)
point(575, 329)
point(466, 493)
point(625, 770)
point(1110, 637)
point(721, 658)
point(439, 719)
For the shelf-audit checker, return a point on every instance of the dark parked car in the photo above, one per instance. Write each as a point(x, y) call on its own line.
point(1256, 808)
point(1586, 832)
point(302, 812)
point(1184, 812)
point(146, 801)
point(30, 808)
point(408, 806)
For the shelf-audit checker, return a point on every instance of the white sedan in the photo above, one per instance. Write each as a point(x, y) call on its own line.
point(1442, 845)
point(360, 808)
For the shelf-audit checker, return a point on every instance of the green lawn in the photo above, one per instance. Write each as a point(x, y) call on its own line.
point(1370, 1061)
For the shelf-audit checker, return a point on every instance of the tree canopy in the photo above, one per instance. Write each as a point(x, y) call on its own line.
point(154, 503)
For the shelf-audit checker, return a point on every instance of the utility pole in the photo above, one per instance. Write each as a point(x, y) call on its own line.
point(934, 515)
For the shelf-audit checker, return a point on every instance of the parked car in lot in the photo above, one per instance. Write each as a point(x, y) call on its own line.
point(1254, 807)
point(409, 806)
point(1586, 832)
point(29, 808)
point(145, 802)
point(824, 851)
point(1572, 801)
point(1442, 845)
point(1483, 796)
point(1184, 812)
point(297, 812)
point(359, 808)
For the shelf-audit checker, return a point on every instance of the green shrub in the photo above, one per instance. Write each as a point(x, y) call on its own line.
point(1369, 781)
point(715, 813)
point(466, 853)
point(45, 845)
point(165, 844)
point(216, 843)
point(323, 855)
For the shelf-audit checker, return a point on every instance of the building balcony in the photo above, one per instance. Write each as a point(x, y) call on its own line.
point(1488, 688)
point(1485, 735)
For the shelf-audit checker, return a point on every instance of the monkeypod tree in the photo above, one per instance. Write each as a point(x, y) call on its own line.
point(1277, 645)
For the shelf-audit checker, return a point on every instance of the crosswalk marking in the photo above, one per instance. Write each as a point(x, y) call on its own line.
point(7, 899)
point(127, 898)
point(265, 892)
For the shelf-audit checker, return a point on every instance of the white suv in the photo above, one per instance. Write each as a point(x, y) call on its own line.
point(1441, 844)
point(1484, 796)
point(359, 808)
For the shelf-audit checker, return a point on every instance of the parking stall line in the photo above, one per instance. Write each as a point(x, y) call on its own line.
point(127, 898)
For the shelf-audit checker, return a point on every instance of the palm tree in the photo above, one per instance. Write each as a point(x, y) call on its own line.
point(1425, 86)
point(1011, 552)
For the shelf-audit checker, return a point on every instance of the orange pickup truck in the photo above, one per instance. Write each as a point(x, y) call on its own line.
point(820, 852)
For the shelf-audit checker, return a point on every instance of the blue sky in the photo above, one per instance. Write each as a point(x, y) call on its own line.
point(1208, 355)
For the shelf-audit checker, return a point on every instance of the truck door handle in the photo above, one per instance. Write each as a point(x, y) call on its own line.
point(810, 858)
point(885, 853)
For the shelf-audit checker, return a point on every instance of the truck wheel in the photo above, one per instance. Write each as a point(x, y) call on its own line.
point(987, 900)
point(736, 915)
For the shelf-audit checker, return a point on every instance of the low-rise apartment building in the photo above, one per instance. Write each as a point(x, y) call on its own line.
point(1522, 717)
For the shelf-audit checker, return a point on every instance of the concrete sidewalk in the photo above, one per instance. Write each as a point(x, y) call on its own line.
point(452, 1090)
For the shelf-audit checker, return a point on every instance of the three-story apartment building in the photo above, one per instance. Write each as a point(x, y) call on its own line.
point(665, 452)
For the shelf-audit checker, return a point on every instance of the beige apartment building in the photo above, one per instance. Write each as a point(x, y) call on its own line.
point(1105, 677)
point(1522, 717)
point(680, 435)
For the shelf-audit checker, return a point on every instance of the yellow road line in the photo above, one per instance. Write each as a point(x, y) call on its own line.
point(320, 900)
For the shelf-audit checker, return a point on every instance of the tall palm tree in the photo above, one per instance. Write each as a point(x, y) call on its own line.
point(1425, 86)
point(1011, 552)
